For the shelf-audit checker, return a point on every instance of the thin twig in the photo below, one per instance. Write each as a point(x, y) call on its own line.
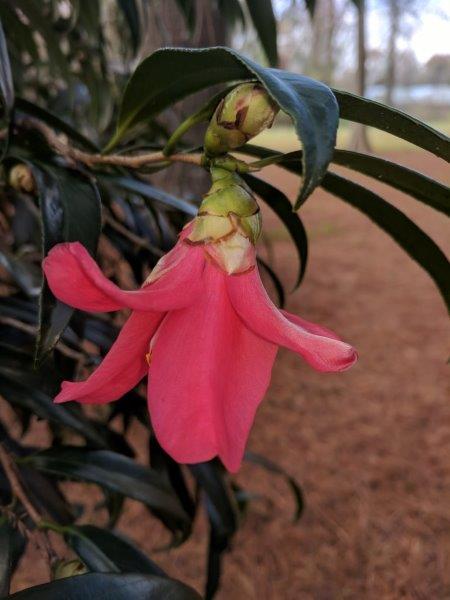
point(18, 491)
point(17, 488)
point(90, 160)
point(32, 330)
point(139, 241)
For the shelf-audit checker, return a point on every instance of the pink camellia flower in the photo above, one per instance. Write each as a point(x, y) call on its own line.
point(205, 331)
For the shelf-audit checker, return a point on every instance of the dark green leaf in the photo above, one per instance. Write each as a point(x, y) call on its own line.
point(25, 274)
point(20, 387)
point(12, 545)
point(405, 232)
point(172, 473)
point(219, 502)
point(71, 211)
point(153, 193)
point(272, 467)
point(410, 182)
point(280, 204)
point(6, 82)
point(176, 73)
point(103, 551)
point(406, 180)
point(222, 514)
point(275, 280)
point(261, 12)
point(103, 586)
point(394, 121)
point(112, 471)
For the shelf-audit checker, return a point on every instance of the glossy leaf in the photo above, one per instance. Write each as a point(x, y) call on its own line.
point(406, 180)
point(172, 473)
point(261, 12)
point(21, 388)
point(280, 204)
point(212, 480)
point(6, 82)
point(405, 232)
point(177, 73)
point(222, 515)
point(104, 551)
point(394, 121)
point(71, 211)
point(393, 221)
point(112, 471)
point(109, 585)
point(151, 192)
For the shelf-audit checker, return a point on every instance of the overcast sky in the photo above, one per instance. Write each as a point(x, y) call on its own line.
point(430, 32)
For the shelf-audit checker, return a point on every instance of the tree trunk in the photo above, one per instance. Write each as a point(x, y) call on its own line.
point(360, 140)
point(391, 70)
point(167, 27)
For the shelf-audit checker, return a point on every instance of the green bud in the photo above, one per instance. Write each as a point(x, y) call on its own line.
point(228, 208)
point(68, 568)
point(243, 113)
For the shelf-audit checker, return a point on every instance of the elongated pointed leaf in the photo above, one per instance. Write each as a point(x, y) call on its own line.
point(410, 182)
point(175, 73)
point(406, 180)
point(272, 467)
point(6, 82)
point(261, 12)
point(109, 585)
point(19, 387)
point(275, 280)
point(405, 232)
point(222, 515)
point(394, 121)
point(112, 471)
point(6, 92)
point(151, 192)
point(104, 551)
point(280, 204)
point(70, 211)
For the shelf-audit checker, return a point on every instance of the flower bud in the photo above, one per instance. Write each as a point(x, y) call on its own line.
point(243, 113)
point(228, 223)
point(21, 178)
point(68, 568)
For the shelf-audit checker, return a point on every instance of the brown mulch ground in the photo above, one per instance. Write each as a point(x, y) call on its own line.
point(370, 447)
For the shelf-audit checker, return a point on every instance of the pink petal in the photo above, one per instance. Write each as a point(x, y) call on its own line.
point(76, 279)
point(207, 376)
point(321, 348)
point(121, 369)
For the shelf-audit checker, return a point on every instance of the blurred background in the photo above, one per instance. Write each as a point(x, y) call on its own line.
point(371, 447)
